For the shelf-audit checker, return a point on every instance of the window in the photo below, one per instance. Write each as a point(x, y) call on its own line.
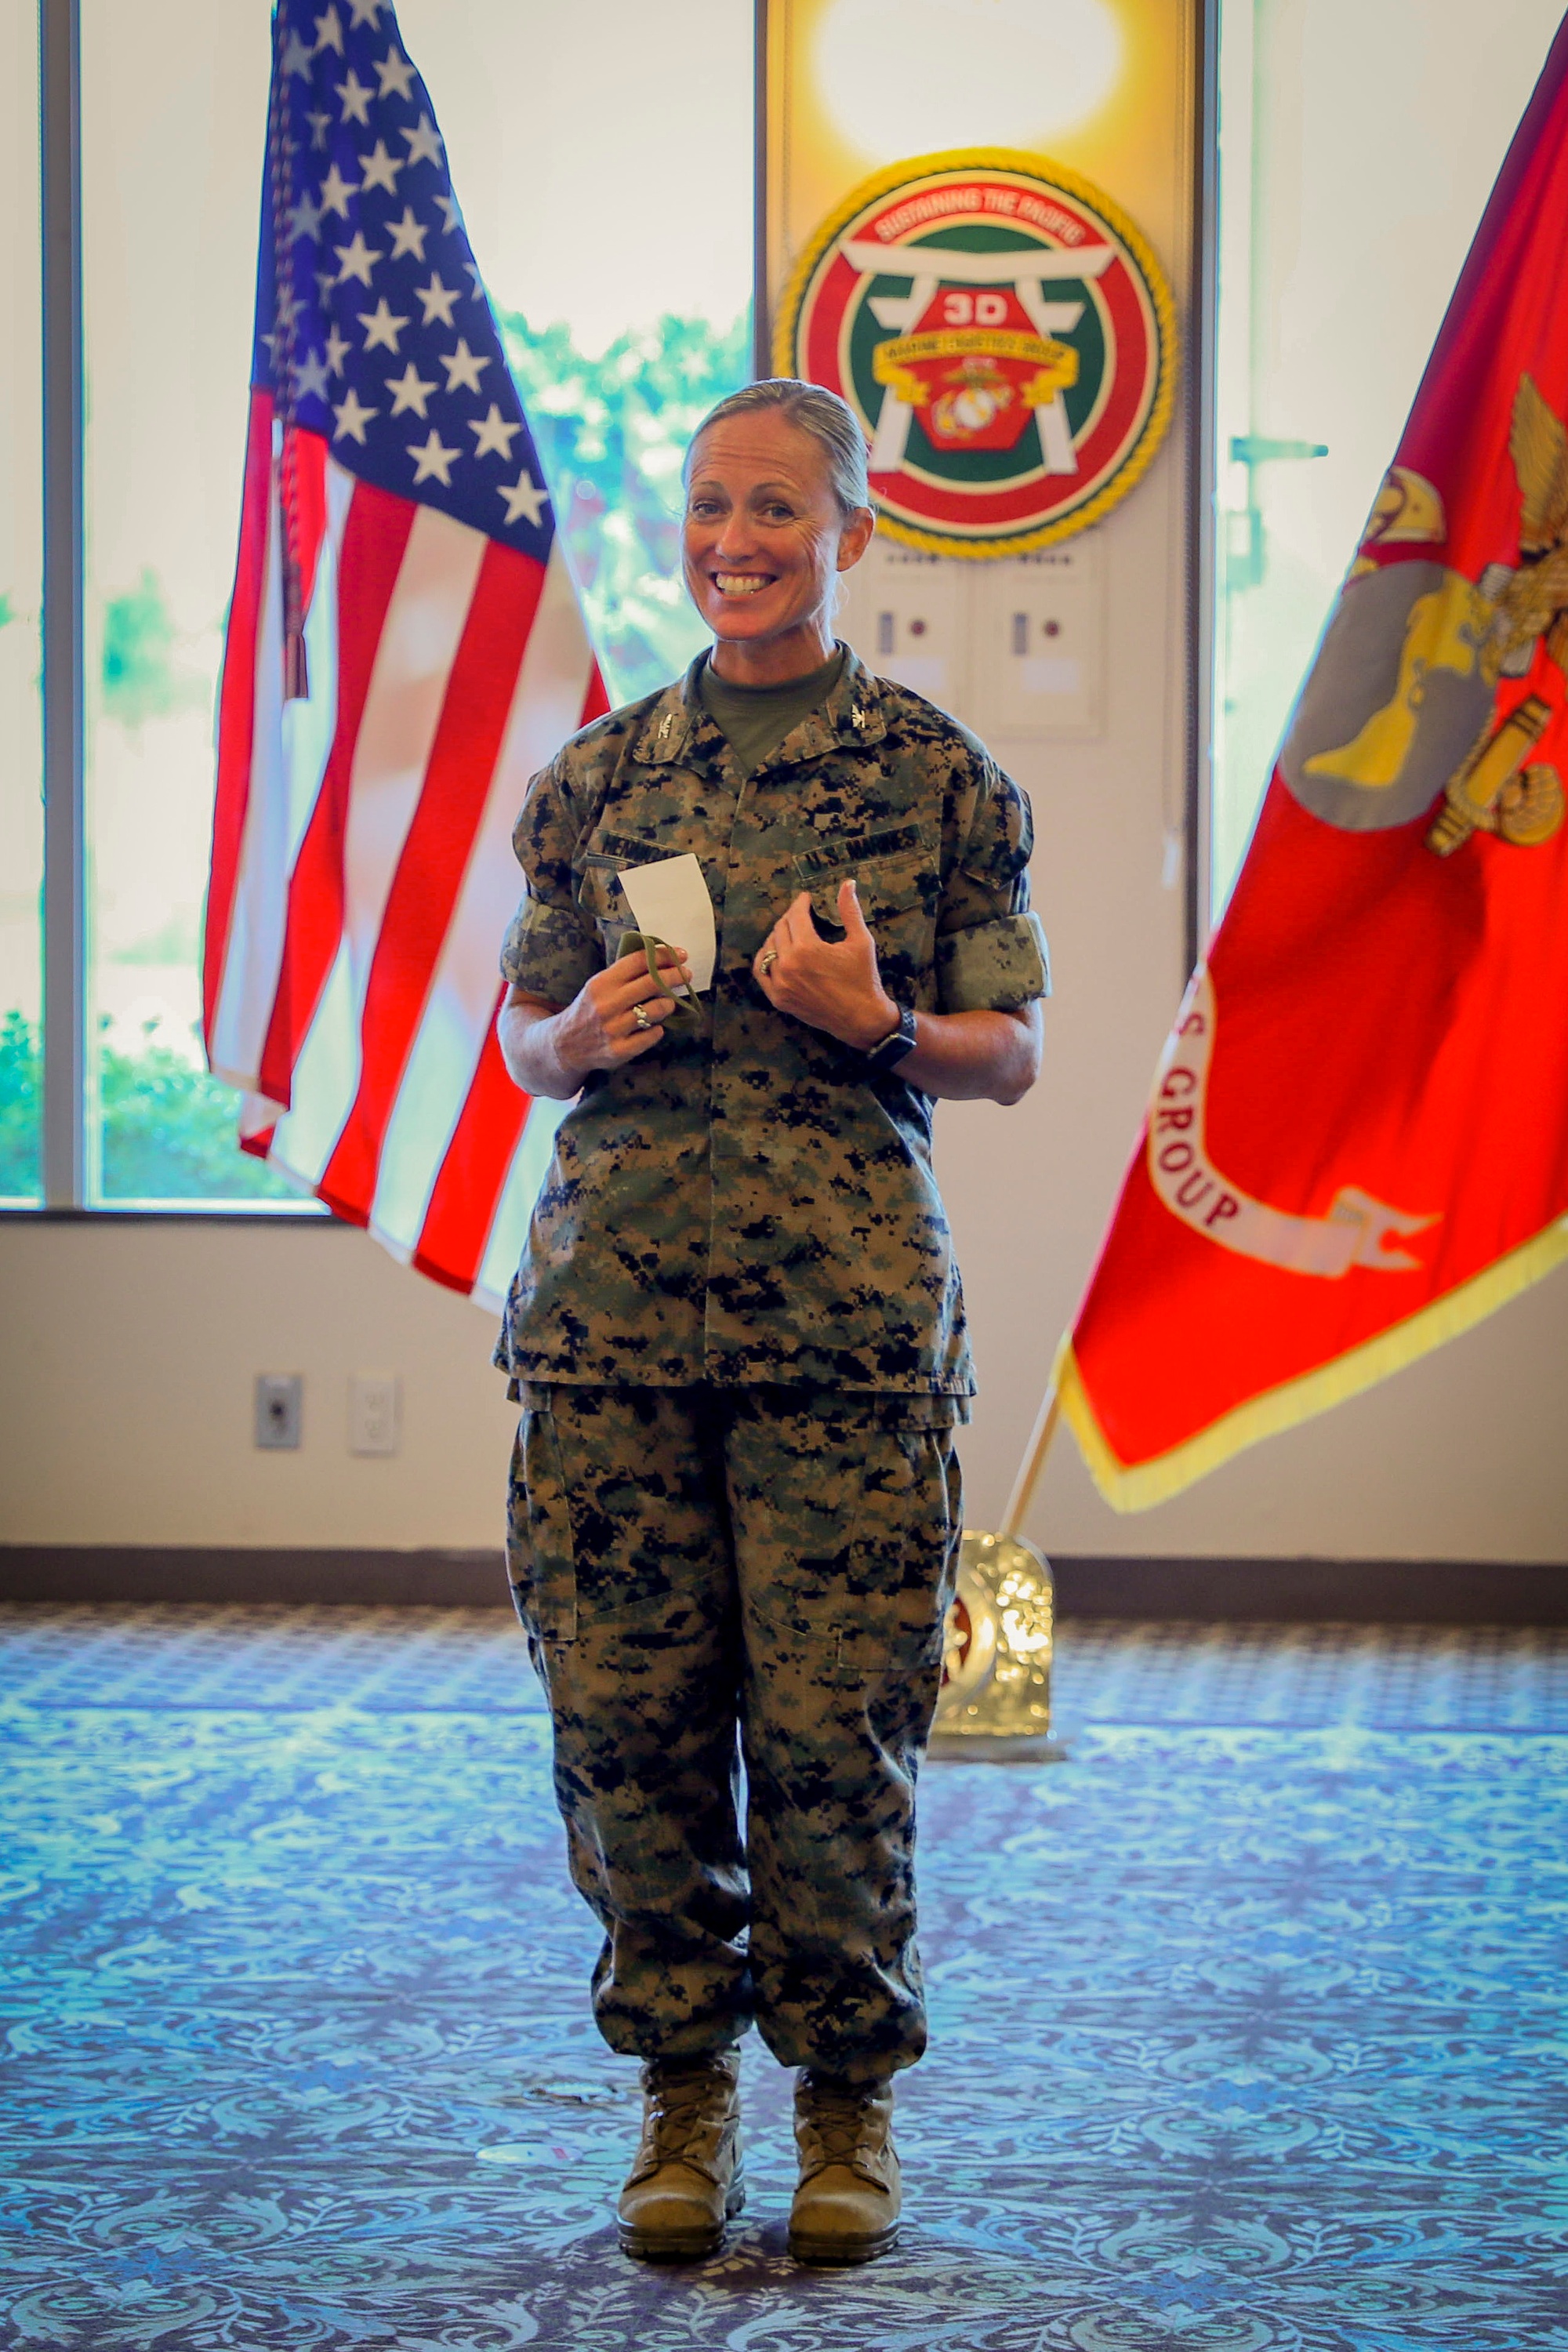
point(619, 257)
point(1357, 146)
point(174, 105)
point(620, 261)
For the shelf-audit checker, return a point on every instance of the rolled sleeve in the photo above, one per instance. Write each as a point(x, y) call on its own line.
point(552, 948)
point(991, 951)
point(996, 967)
point(547, 952)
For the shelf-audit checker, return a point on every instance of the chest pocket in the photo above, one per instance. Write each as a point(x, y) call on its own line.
point(596, 887)
point(896, 878)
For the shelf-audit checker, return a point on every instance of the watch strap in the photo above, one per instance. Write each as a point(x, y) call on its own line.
point(891, 1050)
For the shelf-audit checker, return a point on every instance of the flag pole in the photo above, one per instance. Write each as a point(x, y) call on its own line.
point(995, 1697)
point(1029, 1469)
point(285, 308)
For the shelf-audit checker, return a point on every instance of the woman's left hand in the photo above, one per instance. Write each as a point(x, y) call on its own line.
point(830, 984)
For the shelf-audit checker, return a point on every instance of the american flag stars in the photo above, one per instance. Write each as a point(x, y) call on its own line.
point(523, 497)
point(463, 367)
point(397, 76)
point(374, 267)
point(410, 389)
point(352, 418)
point(431, 458)
point(381, 329)
point(380, 168)
point(408, 235)
point(438, 301)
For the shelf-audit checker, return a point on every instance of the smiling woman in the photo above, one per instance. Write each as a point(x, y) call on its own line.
point(777, 506)
point(737, 1332)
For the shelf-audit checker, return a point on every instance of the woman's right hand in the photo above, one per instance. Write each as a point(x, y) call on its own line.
point(549, 1049)
point(619, 1014)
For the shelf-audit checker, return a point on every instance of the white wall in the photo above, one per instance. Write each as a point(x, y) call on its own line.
point(126, 1390)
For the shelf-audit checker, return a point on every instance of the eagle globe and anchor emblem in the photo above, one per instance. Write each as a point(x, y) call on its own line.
point(1411, 695)
point(1007, 338)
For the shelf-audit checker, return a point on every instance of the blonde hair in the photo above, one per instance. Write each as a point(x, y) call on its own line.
point(831, 423)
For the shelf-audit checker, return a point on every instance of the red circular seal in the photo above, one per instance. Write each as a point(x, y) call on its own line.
point(1007, 338)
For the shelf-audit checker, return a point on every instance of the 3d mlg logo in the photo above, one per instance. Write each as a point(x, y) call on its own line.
point(1006, 336)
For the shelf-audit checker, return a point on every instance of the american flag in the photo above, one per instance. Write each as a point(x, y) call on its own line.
point(404, 649)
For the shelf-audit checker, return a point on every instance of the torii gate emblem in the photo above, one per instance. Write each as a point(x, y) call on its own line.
point(967, 307)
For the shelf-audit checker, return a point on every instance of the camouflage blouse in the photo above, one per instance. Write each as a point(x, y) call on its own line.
point(751, 1201)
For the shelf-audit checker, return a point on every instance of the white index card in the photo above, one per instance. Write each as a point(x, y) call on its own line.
point(671, 899)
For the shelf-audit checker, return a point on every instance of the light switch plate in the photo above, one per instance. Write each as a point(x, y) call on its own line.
point(280, 1409)
point(1039, 642)
point(906, 616)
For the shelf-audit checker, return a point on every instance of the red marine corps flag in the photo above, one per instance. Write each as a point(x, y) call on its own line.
point(1357, 1143)
point(405, 650)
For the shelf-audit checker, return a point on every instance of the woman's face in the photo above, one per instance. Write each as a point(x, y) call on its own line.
point(763, 538)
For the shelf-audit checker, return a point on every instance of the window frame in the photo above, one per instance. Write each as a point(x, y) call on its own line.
point(64, 1138)
point(1203, 456)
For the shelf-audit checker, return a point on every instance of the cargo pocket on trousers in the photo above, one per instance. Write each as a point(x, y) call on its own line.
point(878, 1617)
point(540, 1559)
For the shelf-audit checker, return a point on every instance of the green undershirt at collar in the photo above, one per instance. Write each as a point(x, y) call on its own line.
point(754, 720)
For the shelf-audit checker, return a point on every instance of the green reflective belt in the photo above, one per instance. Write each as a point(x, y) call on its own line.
point(644, 943)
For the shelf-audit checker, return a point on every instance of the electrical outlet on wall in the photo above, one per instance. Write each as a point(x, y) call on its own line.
point(373, 1412)
point(280, 1409)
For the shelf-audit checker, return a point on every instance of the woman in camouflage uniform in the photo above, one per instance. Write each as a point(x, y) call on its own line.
point(737, 1333)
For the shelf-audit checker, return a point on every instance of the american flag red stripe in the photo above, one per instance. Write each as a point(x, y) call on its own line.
point(473, 1170)
point(374, 539)
point(435, 853)
point(363, 876)
point(237, 702)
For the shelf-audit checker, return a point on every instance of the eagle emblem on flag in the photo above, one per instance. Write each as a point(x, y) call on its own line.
point(1450, 644)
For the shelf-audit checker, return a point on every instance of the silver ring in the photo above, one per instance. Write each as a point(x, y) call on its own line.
point(640, 1017)
point(769, 957)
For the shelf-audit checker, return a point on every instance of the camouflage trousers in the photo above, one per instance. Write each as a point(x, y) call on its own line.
point(716, 1577)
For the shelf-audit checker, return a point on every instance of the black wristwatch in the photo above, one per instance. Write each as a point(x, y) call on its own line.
point(891, 1050)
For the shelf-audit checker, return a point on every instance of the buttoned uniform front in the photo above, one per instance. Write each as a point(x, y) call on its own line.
point(738, 1337)
point(748, 1202)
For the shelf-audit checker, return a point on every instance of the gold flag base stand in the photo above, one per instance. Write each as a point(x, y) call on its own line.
point(995, 1702)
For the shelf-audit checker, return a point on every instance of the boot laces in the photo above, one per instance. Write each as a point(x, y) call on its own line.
point(838, 2120)
point(679, 2107)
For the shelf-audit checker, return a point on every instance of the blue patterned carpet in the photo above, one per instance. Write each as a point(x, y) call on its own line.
point(1249, 2018)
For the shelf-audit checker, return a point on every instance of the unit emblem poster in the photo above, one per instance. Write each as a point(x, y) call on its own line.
point(1006, 336)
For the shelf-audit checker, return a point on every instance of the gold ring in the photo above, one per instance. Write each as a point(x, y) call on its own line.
point(770, 956)
point(640, 1017)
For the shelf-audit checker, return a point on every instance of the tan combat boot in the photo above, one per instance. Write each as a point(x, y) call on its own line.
point(687, 2181)
point(845, 2209)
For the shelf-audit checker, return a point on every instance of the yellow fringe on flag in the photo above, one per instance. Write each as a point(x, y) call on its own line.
point(1137, 1489)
